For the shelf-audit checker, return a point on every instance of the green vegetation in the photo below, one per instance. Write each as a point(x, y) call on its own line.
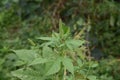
point(59, 39)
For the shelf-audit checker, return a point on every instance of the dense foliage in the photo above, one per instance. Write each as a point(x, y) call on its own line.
point(92, 28)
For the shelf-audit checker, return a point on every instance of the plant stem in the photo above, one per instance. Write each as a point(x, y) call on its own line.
point(65, 72)
point(64, 76)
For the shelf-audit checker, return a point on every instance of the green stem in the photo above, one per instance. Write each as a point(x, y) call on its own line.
point(64, 76)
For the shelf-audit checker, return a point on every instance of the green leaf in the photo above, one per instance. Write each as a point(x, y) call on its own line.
point(79, 62)
point(73, 44)
point(66, 32)
point(18, 73)
point(26, 55)
point(69, 46)
point(80, 53)
point(31, 42)
point(47, 44)
point(55, 35)
point(94, 65)
point(67, 62)
point(54, 68)
point(27, 74)
point(47, 51)
point(63, 29)
point(45, 38)
point(38, 61)
point(19, 63)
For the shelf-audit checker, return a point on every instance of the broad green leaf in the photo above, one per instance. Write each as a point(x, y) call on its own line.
point(18, 73)
point(94, 65)
point(39, 61)
point(26, 55)
point(75, 43)
point(67, 62)
point(47, 51)
point(19, 63)
point(27, 74)
point(54, 68)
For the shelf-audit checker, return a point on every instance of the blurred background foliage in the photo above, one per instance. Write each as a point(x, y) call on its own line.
point(24, 20)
